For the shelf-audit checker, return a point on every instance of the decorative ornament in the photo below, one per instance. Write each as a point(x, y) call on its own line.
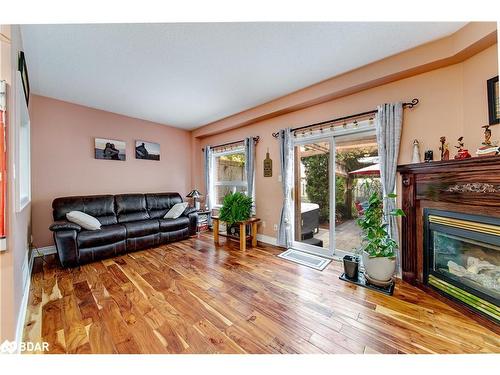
point(489, 147)
point(444, 148)
point(463, 153)
point(416, 152)
point(268, 165)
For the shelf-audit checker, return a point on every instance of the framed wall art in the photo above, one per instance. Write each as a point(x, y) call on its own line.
point(110, 149)
point(493, 101)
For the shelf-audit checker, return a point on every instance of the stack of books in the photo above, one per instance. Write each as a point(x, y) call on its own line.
point(203, 222)
point(488, 150)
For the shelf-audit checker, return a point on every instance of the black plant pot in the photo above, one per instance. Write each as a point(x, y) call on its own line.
point(351, 265)
point(234, 230)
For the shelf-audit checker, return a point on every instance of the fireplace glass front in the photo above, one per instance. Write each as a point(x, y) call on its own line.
point(463, 259)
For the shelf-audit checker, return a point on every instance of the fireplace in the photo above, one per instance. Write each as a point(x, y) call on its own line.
point(450, 234)
point(462, 259)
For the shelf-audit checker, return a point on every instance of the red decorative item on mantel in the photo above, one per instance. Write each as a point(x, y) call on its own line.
point(462, 152)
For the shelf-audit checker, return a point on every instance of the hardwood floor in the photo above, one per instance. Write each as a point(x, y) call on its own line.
point(191, 297)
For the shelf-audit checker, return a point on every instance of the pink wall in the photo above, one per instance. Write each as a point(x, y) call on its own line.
point(453, 103)
point(63, 162)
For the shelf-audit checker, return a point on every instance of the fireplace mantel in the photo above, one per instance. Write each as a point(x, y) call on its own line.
point(469, 186)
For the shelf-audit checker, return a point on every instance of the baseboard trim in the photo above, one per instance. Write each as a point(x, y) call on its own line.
point(267, 239)
point(27, 270)
point(21, 318)
point(46, 250)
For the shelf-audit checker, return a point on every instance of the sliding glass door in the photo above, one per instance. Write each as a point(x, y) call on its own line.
point(312, 196)
point(330, 191)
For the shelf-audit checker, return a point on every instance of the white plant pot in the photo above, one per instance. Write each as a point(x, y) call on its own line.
point(379, 268)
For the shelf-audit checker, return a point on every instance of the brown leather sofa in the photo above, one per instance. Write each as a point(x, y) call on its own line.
point(129, 222)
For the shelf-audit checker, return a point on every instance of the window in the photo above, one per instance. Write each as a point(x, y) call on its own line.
point(22, 162)
point(229, 174)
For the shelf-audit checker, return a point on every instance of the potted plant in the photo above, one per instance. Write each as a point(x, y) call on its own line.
point(378, 249)
point(235, 207)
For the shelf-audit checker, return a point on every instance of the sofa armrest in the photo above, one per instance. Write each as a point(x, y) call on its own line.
point(64, 225)
point(67, 247)
point(189, 210)
point(192, 214)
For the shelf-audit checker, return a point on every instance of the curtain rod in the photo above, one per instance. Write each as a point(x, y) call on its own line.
point(255, 139)
point(411, 104)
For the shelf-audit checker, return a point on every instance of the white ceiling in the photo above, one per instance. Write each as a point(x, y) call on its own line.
point(190, 74)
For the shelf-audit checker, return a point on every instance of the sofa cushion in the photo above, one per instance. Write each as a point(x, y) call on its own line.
point(141, 228)
point(131, 207)
point(108, 234)
point(84, 220)
point(102, 207)
point(176, 211)
point(169, 225)
point(158, 204)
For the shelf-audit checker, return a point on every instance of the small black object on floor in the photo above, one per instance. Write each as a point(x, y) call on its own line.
point(361, 281)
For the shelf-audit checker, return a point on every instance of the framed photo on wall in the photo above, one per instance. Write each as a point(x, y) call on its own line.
point(21, 66)
point(147, 150)
point(109, 149)
point(493, 101)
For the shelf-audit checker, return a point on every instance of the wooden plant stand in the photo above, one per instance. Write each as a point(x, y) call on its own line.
point(243, 238)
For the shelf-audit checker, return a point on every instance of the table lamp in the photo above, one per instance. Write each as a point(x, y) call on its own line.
point(195, 194)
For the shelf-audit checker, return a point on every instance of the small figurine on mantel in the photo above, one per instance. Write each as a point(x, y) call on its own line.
point(488, 148)
point(445, 149)
point(416, 152)
point(462, 152)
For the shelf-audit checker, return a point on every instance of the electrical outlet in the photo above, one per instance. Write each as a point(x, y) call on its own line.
point(263, 224)
point(279, 178)
point(275, 227)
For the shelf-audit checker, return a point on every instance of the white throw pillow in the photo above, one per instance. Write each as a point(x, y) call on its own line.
point(176, 211)
point(82, 219)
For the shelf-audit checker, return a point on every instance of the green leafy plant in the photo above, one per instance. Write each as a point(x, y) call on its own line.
point(376, 241)
point(317, 182)
point(235, 207)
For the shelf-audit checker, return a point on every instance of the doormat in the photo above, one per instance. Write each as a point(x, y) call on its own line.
point(309, 260)
point(361, 281)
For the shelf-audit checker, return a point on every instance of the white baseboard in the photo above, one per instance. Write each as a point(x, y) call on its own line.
point(267, 239)
point(21, 317)
point(46, 250)
point(26, 272)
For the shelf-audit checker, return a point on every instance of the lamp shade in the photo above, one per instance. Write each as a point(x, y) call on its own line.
point(194, 194)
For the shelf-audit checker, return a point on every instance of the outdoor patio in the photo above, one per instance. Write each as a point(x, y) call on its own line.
point(348, 236)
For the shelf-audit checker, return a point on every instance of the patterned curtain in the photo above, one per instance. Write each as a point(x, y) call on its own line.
point(250, 168)
point(286, 163)
point(389, 120)
point(208, 177)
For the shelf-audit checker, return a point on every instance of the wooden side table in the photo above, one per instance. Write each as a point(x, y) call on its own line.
point(243, 238)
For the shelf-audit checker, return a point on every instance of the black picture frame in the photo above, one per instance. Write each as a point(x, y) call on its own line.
point(22, 67)
point(493, 101)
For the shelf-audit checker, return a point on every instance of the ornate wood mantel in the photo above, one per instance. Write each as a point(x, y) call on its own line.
point(470, 186)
